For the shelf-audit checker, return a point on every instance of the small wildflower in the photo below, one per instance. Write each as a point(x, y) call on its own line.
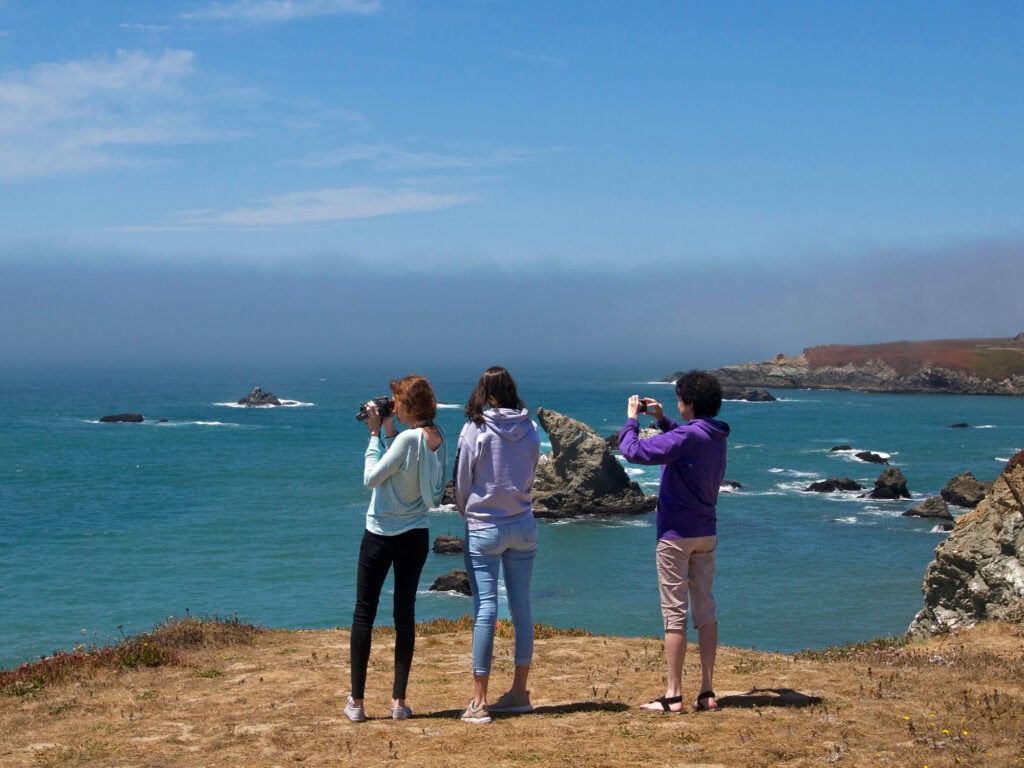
point(906, 717)
point(946, 731)
point(965, 733)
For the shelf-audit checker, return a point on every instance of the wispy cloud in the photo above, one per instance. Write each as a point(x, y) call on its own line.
point(327, 205)
point(270, 11)
point(393, 158)
point(86, 114)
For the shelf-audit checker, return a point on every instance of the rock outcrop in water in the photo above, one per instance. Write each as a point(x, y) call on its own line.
point(128, 418)
point(891, 484)
point(581, 476)
point(978, 571)
point(965, 490)
point(258, 398)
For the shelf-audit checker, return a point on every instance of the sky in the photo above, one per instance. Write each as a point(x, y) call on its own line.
point(655, 184)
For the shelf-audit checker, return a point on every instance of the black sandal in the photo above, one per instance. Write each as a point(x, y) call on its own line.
point(666, 703)
point(702, 702)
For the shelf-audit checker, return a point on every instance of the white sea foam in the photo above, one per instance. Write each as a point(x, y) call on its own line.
point(986, 426)
point(634, 470)
point(284, 404)
point(448, 406)
point(197, 424)
point(792, 472)
point(849, 520)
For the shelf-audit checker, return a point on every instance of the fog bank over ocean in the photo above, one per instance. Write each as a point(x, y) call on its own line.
point(115, 310)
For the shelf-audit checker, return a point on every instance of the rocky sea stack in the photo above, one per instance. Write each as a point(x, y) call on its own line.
point(978, 571)
point(581, 476)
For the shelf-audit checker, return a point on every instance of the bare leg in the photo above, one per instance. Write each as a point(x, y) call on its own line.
point(480, 689)
point(707, 641)
point(519, 679)
point(675, 655)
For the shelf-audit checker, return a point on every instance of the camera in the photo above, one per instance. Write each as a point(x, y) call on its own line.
point(385, 407)
point(643, 405)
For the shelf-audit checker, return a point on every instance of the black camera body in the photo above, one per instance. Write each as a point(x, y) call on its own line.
point(643, 405)
point(385, 407)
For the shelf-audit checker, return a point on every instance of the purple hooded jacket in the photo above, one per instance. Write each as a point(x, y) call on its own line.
point(692, 456)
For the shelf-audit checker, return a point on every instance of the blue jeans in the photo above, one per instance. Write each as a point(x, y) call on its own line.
point(513, 546)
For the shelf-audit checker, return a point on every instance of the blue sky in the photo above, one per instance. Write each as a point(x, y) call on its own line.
point(674, 183)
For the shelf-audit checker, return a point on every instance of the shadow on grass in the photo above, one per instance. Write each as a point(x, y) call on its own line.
point(769, 697)
point(553, 709)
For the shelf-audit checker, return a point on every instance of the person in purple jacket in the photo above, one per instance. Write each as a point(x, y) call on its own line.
point(692, 459)
point(495, 466)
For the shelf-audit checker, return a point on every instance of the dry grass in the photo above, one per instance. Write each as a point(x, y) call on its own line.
point(237, 696)
point(987, 358)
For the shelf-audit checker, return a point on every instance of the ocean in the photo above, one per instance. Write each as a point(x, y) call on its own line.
point(108, 529)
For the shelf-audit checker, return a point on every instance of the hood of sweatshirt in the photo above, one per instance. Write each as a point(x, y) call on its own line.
point(513, 424)
point(713, 428)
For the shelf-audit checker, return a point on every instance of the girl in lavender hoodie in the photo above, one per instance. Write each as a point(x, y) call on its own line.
point(495, 465)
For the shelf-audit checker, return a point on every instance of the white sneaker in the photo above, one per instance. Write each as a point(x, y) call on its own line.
point(354, 713)
point(476, 714)
point(401, 713)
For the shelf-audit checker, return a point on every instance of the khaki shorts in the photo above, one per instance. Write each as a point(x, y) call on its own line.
point(686, 569)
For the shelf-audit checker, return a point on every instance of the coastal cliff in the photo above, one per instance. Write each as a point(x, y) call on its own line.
point(956, 366)
point(978, 572)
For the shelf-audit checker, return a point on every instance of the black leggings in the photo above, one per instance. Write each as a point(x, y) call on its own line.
point(407, 552)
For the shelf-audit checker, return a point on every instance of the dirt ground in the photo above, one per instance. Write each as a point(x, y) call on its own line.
point(277, 701)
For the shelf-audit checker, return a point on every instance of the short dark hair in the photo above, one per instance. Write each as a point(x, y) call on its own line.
point(495, 385)
point(701, 390)
point(417, 397)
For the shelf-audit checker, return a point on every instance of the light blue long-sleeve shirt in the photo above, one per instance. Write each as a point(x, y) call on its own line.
point(407, 479)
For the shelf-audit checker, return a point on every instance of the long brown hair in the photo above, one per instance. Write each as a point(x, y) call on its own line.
point(496, 387)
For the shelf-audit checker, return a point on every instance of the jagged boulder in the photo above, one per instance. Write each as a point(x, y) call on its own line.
point(448, 545)
point(454, 581)
point(871, 457)
point(933, 506)
point(891, 484)
point(645, 432)
point(748, 395)
point(581, 476)
point(965, 490)
point(834, 484)
point(978, 571)
point(258, 398)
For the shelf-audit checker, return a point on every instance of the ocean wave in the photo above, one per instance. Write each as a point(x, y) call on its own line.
point(848, 520)
point(631, 470)
point(605, 522)
point(739, 446)
point(448, 406)
point(792, 472)
point(986, 426)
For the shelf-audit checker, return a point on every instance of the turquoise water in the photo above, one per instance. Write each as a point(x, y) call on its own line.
point(258, 512)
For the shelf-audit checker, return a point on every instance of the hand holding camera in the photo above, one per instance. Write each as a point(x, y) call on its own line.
point(647, 405)
point(384, 406)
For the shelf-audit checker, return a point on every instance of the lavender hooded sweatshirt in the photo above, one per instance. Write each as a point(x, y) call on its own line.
point(495, 467)
point(692, 456)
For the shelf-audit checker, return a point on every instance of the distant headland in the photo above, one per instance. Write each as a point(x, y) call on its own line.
point(948, 366)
